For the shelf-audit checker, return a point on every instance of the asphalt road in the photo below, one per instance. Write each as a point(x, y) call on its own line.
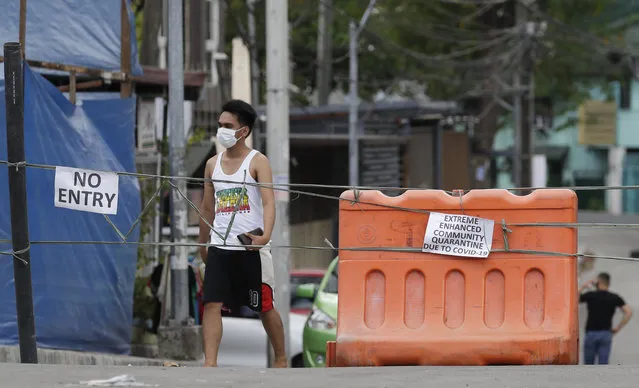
point(41, 376)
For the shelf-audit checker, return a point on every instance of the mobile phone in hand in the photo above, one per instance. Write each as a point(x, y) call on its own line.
point(246, 240)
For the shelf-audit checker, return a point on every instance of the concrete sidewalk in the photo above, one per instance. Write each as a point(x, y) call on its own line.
point(11, 354)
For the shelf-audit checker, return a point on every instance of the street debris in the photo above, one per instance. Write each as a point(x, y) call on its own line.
point(117, 381)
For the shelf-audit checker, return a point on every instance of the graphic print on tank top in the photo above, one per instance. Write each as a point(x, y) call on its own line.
point(228, 199)
point(231, 190)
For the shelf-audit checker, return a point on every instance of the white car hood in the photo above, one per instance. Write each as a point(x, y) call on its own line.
point(296, 324)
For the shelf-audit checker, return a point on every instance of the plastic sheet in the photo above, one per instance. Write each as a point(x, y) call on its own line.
point(72, 32)
point(83, 294)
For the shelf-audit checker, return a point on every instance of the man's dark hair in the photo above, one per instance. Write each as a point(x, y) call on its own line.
point(243, 111)
point(604, 277)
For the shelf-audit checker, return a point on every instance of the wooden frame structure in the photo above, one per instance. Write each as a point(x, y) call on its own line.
point(124, 75)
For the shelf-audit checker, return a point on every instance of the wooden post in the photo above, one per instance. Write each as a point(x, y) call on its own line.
point(14, 105)
point(23, 28)
point(72, 87)
point(125, 51)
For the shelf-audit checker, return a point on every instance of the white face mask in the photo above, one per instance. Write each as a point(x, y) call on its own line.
point(226, 137)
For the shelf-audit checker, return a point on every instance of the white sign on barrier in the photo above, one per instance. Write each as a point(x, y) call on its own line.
point(458, 235)
point(86, 190)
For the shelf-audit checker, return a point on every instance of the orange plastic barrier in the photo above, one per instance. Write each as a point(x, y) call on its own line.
point(414, 308)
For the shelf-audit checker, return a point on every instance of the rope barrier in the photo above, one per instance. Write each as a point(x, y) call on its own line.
point(329, 247)
point(169, 180)
point(357, 194)
point(319, 186)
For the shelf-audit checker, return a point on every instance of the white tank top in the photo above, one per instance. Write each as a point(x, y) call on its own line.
point(249, 213)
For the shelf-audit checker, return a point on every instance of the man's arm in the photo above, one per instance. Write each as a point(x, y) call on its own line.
point(265, 176)
point(627, 314)
point(586, 285)
point(207, 207)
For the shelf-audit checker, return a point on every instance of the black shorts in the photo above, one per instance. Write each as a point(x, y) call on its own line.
point(239, 278)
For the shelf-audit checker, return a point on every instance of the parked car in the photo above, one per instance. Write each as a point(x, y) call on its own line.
point(321, 324)
point(303, 276)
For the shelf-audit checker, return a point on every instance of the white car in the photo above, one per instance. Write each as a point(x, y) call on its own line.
point(245, 343)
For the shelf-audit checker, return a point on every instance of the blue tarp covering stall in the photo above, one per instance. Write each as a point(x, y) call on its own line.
point(72, 32)
point(83, 294)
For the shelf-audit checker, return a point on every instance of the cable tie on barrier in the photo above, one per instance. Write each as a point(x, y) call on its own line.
point(504, 228)
point(16, 253)
point(17, 164)
point(461, 200)
point(355, 196)
point(327, 241)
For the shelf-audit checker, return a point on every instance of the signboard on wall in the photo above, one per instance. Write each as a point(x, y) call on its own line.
point(380, 165)
point(598, 123)
point(146, 127)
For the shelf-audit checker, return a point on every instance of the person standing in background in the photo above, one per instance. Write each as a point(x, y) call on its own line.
point(602, 305)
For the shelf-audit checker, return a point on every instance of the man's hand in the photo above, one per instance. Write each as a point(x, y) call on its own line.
point(627, 314)
point(257, 240)
point(203, 254)
point(586, 285)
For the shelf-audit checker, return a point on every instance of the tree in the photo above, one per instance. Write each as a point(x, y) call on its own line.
point(462, 49)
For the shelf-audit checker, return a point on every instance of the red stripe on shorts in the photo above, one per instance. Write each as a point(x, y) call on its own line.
point(267, 298)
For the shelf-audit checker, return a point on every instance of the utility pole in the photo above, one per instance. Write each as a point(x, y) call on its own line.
point(324, 51)
point(177, 143)
point(277, 113)
point(353, 119)
point(438, 151)
point(213, 46)
point(523, 104)
point(160, 106)
point(529, 129)
point(517, 164)
point(255, 73)
point(14, 103)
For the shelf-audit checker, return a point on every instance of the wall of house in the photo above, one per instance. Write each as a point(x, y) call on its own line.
point(628, 121)
point(586, 165)
point(311, 234)
point(627, 156)
point(583, 165)
point(455, 159)
point(419, 159)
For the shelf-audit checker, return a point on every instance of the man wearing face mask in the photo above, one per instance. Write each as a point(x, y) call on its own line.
point(242, 212)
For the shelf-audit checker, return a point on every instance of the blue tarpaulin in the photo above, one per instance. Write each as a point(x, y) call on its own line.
point(71, 32)
point(83, 294)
